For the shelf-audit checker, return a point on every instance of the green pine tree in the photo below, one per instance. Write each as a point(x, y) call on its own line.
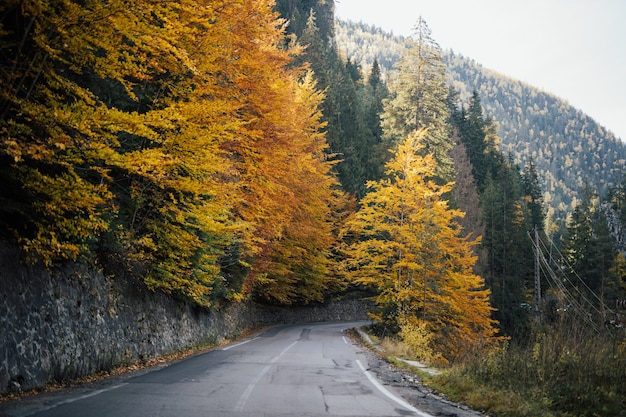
point(418, 100)
point(533, 195)
point(590, 250)
point(510, 268)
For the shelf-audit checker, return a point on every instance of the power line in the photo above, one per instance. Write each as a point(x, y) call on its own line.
point(577, 302)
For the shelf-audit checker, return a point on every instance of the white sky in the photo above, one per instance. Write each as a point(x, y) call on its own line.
point(575, 49)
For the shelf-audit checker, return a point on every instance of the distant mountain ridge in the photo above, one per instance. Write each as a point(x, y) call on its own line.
point(569, 148)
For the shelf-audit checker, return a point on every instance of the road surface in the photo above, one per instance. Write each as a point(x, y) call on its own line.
point(298, 370)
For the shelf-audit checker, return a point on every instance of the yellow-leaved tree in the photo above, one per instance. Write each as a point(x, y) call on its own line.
point(404, 242)
point(172, 141)
point(293, 262)
point(279, 182)
point(111, 118)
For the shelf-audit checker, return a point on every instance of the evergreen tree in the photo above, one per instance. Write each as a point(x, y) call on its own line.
point(478, 134)
point(351, 109)
point(418, 100)
point(467, 198)
point(590, 251)
point(474, 133)
point(619, 272)
point(352, 126)
point(317, 52)
point(375, 151)
point(506, 257)
point(579, 233)
point(375, 92)
point(533, 195)
point(615, 210)
point(510, 256)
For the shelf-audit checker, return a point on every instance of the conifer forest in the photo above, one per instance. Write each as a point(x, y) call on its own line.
point(231, 151)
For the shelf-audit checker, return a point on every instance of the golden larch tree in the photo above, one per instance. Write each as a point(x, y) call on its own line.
point(404, 242)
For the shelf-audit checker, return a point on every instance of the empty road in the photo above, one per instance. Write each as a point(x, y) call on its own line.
point(297, 370)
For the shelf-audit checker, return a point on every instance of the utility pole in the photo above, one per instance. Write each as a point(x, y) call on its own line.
point(537, 277)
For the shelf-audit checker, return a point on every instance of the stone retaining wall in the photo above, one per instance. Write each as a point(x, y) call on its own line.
point(75, 322)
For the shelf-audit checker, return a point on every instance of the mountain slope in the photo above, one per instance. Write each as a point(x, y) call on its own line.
point(568, 147)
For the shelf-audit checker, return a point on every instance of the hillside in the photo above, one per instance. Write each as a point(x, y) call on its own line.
point(569, 147)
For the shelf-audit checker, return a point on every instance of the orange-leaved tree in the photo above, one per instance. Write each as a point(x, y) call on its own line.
point(100, 136)
point(279, 181)
point(294, 263)
point(404, 241)
point(164, 136)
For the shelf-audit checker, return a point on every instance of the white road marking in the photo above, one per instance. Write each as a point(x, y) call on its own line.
point(239, 344)
point(77, 398)
point(241, 404)
point(389, 395)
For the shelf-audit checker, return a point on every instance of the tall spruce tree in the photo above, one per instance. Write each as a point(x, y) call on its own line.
point(474, 133)
point(418, 99)
point(467, 198)
point(590, 250)
point(616, 212)
point(351, 109)
point(376, 91)
point(374, 151)
point(506, 257)
point(533, 195)
point(510, 265)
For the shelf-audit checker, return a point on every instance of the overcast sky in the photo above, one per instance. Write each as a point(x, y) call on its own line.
point(575, 49)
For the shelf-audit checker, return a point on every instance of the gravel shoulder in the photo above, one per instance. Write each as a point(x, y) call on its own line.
point(409, 386)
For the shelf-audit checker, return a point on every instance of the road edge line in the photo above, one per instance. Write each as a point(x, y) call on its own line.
point(388, 394)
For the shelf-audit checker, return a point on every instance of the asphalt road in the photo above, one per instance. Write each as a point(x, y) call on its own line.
point(299, 370)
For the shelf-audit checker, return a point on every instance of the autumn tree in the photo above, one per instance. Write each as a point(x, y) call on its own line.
point(161, 136)
point(293, 262)
point(405, 242)
point(116, 143)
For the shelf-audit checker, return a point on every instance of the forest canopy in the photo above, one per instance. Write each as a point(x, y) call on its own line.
point(176, 138)
point(221, 151)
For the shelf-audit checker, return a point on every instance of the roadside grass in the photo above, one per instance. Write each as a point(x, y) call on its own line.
point(495, 401)
point(396, 348)
point(462, 387)
point(557, 371)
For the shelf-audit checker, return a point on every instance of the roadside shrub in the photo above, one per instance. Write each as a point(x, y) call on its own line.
point(563, 370)
point(415, 334)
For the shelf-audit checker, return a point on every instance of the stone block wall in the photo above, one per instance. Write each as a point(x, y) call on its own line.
point(74, 322)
